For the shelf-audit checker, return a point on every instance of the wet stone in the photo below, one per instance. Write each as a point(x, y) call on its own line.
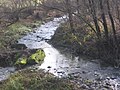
point(78, 67)
point(19, 46)
point(49, 67)
point(38, 36)
point(34, 31)
point(84, 86)
point(61, 72)
point(84, 72)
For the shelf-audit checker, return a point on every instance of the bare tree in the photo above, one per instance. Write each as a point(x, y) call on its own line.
point(94, 16)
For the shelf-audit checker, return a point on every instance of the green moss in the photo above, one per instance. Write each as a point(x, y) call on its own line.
point(36, 57)
point(36, 23)
point(21, 61)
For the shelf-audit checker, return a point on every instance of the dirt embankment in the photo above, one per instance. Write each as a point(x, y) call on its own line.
point(80, 43)
point(84, 42)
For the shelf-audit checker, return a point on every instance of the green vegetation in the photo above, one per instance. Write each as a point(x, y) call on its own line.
point(33, 79)
point(13, 32)
point(37, 57)
point(82, 42)
point(22, 61)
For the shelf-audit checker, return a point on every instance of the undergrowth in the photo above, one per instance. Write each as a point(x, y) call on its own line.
point(33, 79)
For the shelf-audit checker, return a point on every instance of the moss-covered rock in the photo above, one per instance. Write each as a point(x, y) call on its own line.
point(30, 59)
point(21, 58)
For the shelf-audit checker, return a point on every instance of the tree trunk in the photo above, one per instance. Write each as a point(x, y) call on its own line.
point(104, 21)
point(116, 46)
point(118, 10)
point(94, 16)
point(112, 22)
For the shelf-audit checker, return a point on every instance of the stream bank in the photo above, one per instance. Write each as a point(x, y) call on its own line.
point(83, 42)
point(33, 79)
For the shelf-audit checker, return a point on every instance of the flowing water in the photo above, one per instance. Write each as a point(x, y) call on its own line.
point(63, 64)
point(5, 72)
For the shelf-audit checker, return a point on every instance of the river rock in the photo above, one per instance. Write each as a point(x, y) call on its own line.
point(49, 67)
point(84, 86)
point(19, 46)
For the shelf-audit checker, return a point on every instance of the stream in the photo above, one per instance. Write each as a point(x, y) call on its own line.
point(63, 64)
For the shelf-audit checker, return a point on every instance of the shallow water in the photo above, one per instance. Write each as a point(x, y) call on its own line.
point(63, 64)
point(5, 72)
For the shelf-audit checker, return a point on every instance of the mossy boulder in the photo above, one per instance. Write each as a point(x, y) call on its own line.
point(34, 58)
point(21, 58)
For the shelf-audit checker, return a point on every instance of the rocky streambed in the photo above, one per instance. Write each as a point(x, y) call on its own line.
point(89, 74)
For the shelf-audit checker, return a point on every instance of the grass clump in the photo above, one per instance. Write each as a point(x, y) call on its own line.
point(32, 79)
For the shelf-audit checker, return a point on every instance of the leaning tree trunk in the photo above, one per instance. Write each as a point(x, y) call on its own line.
point(116, 46)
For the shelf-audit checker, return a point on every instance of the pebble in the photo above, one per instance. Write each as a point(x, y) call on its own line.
point(83, 72)
point(84, 86)
point(49, 67)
